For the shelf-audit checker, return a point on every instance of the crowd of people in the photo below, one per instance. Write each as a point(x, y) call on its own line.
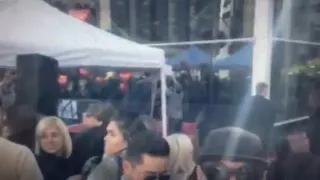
point(114, 144)
point(122, 141)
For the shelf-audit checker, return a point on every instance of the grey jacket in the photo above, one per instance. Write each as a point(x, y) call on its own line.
point(107, 170)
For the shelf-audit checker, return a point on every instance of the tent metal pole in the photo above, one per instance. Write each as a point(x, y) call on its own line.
point(164, 102)
point(262, 48)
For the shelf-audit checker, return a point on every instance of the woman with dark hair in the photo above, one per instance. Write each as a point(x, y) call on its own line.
point(18, 161)
point(119, 132)
point(21, 122)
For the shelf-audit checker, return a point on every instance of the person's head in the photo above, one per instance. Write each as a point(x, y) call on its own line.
point(20, 124)
point(181, 165)
point(98, 114)
point(232, 154)
point(299, 142)
point(146, 157)
point(170, 81)
point(262, 89)
point(148, 121)
point(119, 132)
point(52, 137)
point(20, 118)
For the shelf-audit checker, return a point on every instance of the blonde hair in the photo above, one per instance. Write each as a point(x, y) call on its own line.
point(50, 121)
point(181, 156)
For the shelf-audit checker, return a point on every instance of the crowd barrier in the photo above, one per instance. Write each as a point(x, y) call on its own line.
point(71, 110)
point(291, 121)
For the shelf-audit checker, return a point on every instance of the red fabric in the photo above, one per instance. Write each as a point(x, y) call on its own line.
point(63, 80)
point(124, 87)
point(83, 72)
point(77, 128)
point(189, 128)
point(125, 76)
point(83, 14)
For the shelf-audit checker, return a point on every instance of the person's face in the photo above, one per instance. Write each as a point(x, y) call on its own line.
point(90, 121)
point(227, 170)
point(51, 140)
point(265, 92)
point(150, 168)
point(299, 143)
point(114, 140)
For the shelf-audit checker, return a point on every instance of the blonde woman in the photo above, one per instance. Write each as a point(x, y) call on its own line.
point(53, 149)
point(181, 165)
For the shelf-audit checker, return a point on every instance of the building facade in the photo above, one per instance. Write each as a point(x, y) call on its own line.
point(178, 20)
point(168, 20)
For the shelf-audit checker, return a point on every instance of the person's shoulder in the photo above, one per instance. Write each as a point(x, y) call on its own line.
point(19, 158)
point(12, 148)
point(107, 169)
point(261, 99)
point(86, 134)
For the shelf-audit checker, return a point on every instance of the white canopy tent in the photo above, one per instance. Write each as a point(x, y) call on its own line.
point(34, 27)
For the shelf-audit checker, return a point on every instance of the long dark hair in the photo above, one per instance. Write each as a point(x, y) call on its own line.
point(21, 120)
point(129, 125)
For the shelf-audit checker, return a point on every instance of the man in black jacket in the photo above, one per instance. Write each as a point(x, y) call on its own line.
point(258, 114)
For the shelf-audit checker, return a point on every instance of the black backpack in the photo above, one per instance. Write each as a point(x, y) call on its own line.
point(89, 166)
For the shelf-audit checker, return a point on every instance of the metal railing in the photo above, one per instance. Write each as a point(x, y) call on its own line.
point(290, 121)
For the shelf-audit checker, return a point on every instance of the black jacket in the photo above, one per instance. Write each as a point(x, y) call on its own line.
point(86, 145)
point(54, 167)
point(259, 116)
point(313, 132)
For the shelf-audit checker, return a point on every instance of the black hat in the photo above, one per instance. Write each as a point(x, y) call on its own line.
point(231, 142)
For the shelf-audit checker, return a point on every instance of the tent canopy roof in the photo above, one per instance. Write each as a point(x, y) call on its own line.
point(193, 56)
point(33, 26)
point(240, 59)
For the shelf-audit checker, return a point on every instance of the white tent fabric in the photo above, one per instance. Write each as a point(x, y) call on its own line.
point(33, 26)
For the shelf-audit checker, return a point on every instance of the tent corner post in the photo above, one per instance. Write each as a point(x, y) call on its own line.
point(163, 102)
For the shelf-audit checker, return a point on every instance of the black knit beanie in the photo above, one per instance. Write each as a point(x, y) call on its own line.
point(232, 143)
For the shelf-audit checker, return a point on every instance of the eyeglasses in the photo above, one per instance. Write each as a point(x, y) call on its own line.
point(158, 177)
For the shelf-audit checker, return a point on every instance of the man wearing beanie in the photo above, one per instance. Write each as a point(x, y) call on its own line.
point(232, 154)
